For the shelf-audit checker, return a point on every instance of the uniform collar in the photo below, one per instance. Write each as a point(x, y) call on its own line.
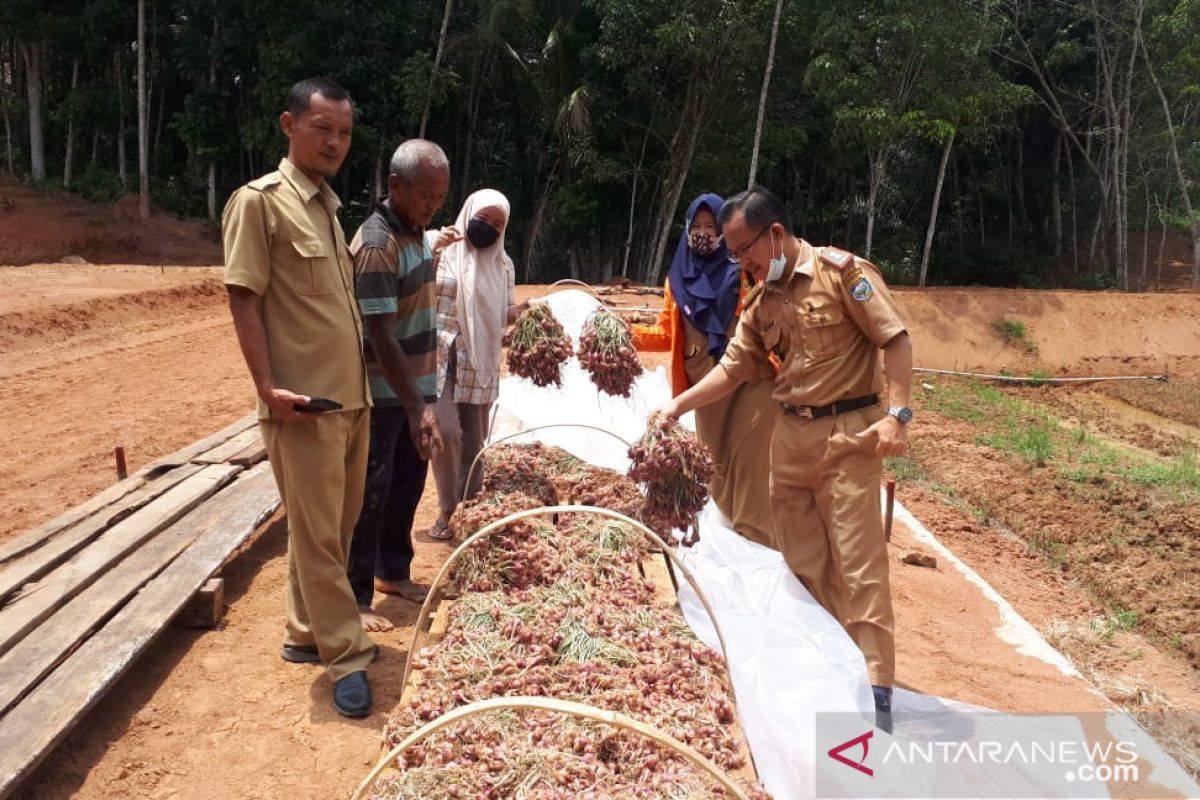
point(306, 188)
point(805, 259)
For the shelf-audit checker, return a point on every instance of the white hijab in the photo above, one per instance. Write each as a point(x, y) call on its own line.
point(482, 277)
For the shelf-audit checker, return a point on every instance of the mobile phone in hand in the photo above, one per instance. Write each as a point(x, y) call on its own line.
point(316, 405)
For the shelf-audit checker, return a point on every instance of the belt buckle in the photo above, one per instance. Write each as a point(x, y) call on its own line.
point(804, 412)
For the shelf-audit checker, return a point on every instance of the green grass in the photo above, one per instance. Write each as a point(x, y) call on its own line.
point(1177, 641)
point(1014, 332)
point(1032, 443)
point(1026, 431)
point(1124, 619)
point(904, 469)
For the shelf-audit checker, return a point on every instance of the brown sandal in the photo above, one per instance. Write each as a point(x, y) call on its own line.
point(439, 532)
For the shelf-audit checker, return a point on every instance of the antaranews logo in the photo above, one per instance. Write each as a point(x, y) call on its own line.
point(971, 754)
point(861, 764)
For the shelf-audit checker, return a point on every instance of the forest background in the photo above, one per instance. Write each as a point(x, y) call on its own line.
point(997, 142)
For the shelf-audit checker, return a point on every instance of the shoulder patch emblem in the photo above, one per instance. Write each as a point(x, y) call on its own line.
point(836, 258)
point(862, 291)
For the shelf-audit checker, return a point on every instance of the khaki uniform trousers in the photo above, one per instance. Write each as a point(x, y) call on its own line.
point(320, 468)
point(826, 510)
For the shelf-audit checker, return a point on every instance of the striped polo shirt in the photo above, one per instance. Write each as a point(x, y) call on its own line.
point(394, 274)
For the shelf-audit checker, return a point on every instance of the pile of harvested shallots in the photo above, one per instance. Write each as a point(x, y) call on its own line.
point(561, 609)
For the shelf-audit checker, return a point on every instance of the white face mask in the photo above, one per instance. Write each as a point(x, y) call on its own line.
point(776, 266)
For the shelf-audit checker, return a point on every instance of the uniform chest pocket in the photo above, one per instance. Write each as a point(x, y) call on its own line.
point(313, 267)
point(825, 328)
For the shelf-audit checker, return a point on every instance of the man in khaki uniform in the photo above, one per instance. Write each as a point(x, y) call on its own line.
point(291, 292)
point(825, 315)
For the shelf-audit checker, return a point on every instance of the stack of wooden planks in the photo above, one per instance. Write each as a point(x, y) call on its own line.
point(83, 595)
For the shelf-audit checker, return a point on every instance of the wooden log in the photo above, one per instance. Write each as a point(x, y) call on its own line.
point(56, 705)
point(231, 447)
point(68, 542)
point(206, 608)
point(38, 601)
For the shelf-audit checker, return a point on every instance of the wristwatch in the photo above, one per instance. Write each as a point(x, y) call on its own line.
point(902, 413)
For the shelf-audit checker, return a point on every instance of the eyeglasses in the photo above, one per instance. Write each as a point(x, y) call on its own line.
point(736, 255)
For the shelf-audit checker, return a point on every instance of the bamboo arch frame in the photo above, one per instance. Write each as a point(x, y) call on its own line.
point(549, 704)
point(486, 530)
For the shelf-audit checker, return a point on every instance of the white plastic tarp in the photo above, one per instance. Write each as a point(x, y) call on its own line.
point(788, 658)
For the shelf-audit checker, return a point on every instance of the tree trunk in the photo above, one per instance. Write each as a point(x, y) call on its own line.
point(1145, 241)
point(933, 210)
point(633, 200)
point(143, 119)
point(69, 157)
point(1019, 179)
point(1056, 197)
point(876, 176)
point(95, 148)
point(1074, 215)
point(32, 54)
point(212, 190)
point(473, 97)
point(1162, 242)
point(8, 147)
point(122, 168)
point(437, 62)
point(676, 177)
point(1193, 218)
point(762, 97)
point(212, 161)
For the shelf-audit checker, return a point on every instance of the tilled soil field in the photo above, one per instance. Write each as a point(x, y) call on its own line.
point(1079, 504)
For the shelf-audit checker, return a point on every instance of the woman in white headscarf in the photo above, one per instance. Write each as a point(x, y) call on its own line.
point(475, 291)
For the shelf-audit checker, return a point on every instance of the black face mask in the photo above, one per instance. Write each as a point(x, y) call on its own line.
point(481, 235)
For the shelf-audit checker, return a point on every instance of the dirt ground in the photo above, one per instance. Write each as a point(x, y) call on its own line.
point(95, 357)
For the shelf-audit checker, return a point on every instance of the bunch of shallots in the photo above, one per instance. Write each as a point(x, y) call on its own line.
point(675, 469)
point(538, 346)
point(606, 352)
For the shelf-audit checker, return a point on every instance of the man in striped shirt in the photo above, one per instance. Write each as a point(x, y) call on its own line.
point(394, 279)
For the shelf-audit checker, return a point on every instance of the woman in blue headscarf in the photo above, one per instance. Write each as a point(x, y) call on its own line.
point(703, 300)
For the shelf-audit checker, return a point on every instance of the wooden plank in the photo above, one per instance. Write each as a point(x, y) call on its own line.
point(38, 536)
point(67, 543)
point(206, 606)
point(186, 454)
point(251, 455)
point(34, 656)
point(54, 707)
point(222, 452)
point(38, 601)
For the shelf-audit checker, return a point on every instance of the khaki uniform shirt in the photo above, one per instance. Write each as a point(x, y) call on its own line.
point(825, 321)
point(284, 243)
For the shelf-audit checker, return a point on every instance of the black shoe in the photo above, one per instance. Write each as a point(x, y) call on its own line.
point(352, 695)
point(300, 654)
point(883, 707)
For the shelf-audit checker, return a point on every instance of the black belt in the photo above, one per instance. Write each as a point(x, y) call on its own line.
point(840, 407)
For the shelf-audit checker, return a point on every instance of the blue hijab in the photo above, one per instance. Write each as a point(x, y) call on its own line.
point(705, 287)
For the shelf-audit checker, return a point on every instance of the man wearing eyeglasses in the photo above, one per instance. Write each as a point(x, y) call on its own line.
point(825, 315)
